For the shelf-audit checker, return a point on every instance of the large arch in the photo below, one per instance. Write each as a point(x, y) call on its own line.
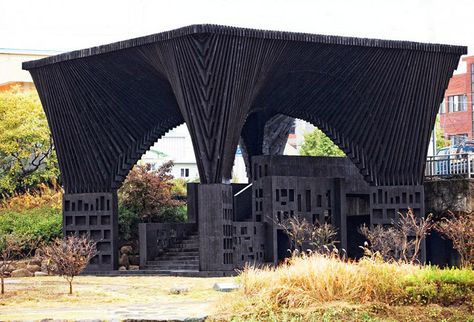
point(106, 105)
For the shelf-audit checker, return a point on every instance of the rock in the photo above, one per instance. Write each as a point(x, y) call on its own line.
point(35, 261)
point(124, 261)
point(22, 272)
point(19, 264)
point(179, 289)
point(33, 268)
point(134, 259)
point(226, 286)
point(126, 250)
point(7, 269)
point(134, 267)
point(122, 268)
point(37, 274)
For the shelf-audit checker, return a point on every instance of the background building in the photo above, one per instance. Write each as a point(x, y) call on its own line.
point(456, 111)
point(11, 73)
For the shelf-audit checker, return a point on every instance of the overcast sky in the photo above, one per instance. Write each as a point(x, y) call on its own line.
point(67, 25)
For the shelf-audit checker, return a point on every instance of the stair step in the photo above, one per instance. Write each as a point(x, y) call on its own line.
point(184, 249)
point(172, 267)
point(177, 258)
point(181, 253)
point(188, 241)
point(172, 261)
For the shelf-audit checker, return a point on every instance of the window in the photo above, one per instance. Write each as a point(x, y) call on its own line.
point(308, 200)
point(442, 107)
point(472, 78)
point(184, 172)
point(457, 103)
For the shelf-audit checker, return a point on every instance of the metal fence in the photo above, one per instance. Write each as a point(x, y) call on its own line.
point(450, 165)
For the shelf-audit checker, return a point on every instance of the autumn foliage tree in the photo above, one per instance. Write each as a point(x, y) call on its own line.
point(148, 192)
point(27, 156)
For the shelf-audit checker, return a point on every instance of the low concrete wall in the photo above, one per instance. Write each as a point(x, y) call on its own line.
point(454, 195)
point(442, 196)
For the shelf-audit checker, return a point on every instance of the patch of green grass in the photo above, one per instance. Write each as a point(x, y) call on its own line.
point(446, 286)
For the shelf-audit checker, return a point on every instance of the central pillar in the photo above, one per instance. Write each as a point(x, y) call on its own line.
point(215, 227)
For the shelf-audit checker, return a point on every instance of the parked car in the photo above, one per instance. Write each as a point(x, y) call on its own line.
point(466, 147)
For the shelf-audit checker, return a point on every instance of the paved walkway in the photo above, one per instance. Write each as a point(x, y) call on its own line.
point(189, 311)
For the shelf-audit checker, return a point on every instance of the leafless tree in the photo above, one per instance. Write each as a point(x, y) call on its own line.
point(401, 241)
point(10, 249)
point(413, 231)
point(459, 228)
point(70, 256)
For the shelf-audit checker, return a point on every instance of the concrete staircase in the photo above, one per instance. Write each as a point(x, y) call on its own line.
point(183, 256)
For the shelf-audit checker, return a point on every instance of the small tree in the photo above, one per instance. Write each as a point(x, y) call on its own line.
point(459, 228)
point(10, 248)
point(70, 256)
point(148, 192)
point(402, 241)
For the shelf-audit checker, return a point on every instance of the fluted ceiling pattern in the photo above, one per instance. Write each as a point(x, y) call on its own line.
point(107, 105)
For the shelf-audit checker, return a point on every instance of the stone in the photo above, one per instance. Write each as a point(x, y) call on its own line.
point(38, 274)
point(126, 250)
point(35, 261)
point(134, 267)
point(122, 268)
point(33, 268)
point(7, 268)
point(226, 287)
point(124, 261)
point(22, 272)
point(179, 289)
point(20, 264)
point(134, 259)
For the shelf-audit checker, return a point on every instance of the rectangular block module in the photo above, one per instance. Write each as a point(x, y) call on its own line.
point(94, 215)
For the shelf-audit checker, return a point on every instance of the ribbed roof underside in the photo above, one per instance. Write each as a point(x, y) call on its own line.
point(376, 99)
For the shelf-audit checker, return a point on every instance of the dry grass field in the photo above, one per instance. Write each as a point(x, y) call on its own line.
point(107, 297)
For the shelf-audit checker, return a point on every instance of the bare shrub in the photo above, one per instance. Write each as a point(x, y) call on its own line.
point(10, 249)
point(384, 242)
point(459, 228)
point(70, 256)
point(401, 241)
point(321, 237)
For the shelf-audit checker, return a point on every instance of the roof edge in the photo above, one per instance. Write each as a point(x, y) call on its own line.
point(244, 32)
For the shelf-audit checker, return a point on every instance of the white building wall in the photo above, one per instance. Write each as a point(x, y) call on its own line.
point(177, 146)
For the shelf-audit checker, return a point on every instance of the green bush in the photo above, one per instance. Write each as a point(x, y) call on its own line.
point(128, 224)
point(440, 286)
point(42, 224)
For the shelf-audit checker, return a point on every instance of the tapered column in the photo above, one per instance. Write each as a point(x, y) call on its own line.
point(215, 84)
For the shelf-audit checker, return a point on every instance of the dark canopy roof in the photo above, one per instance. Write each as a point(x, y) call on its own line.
point(377, 99)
